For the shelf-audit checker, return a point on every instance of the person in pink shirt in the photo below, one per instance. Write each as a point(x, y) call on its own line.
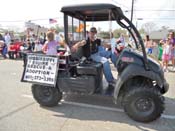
point(166, 54)
point(172, 43)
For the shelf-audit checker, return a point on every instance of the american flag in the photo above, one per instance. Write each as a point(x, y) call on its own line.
point(51, 21)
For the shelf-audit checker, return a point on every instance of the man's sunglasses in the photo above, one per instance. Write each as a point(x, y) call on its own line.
point(94, 31)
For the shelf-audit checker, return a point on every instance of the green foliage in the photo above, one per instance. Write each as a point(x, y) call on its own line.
point(104, 34)
point(142, 31)
point(118, 32)
point(58, 28)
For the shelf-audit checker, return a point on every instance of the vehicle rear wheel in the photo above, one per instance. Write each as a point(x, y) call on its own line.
point(45, 95)
point(144, 104)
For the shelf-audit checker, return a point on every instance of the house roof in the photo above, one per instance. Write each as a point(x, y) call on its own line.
point(161, 34)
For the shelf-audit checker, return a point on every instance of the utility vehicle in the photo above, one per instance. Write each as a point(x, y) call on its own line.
point(140, 82)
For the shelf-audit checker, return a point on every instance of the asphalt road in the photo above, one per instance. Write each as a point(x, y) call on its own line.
point(20, 112)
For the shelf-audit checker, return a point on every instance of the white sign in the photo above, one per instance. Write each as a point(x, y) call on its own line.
point(41, 69)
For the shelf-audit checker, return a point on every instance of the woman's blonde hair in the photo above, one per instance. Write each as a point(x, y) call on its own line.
point(50, 36)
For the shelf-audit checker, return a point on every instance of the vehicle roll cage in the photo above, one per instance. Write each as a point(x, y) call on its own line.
point(100, 12)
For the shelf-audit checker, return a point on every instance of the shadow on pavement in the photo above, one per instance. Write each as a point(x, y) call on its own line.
point(16, 110)
point(91, 114)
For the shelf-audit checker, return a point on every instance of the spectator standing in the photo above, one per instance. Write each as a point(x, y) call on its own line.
point(160, 46)
point(38, 46)
point(41, 38)
point(50, 46)
point(3, 46)
point(113, 43)
point(122, 39)
point(57, 36)
point(28, 49)
point(7, 39)
point(148, 45)
point(44, 35)
point(172, 44)
point(32, 41)
point(155, 50)
point(166, 54)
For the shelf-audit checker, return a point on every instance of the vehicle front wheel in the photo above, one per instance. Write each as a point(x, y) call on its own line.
point(45, 95)
point(144, 104)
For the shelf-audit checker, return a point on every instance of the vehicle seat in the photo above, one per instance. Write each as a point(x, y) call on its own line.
point(92, 68)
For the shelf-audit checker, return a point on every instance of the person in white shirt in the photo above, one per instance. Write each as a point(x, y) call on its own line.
point(7, 39)
point(38, 46)
point(57, 36)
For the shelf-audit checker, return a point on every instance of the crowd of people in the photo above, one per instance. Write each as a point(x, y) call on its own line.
point(11, 47)
point(48, 42)
point(164, 51)
point(93, 48)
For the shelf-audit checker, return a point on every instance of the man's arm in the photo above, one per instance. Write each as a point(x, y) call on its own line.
point(78, 44)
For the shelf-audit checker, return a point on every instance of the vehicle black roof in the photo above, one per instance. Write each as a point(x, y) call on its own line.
point(91, 12)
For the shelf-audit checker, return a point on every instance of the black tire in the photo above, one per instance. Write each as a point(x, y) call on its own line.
point(143, 104)
point(46, 96)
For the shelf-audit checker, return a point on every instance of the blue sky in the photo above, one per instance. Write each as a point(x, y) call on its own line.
point(16, 12)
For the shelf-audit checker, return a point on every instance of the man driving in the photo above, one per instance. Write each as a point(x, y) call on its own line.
point(90, 49)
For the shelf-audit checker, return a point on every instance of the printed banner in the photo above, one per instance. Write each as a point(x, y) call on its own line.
point(41, 69)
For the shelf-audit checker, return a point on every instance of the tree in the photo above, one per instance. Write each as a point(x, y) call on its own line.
point(142, 31)
point(104, 34)
point(99, 29)
point(164, 28)
point(149, 27)
point(58, 28)
point(118, 32)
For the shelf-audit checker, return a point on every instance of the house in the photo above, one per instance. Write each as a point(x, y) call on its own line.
point(160, 34)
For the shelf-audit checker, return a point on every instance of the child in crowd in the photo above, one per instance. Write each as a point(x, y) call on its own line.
point(166, 54)
point(160, 46)
point(50, 46)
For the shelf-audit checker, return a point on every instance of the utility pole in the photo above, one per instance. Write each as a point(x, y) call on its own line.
point(132, 8)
